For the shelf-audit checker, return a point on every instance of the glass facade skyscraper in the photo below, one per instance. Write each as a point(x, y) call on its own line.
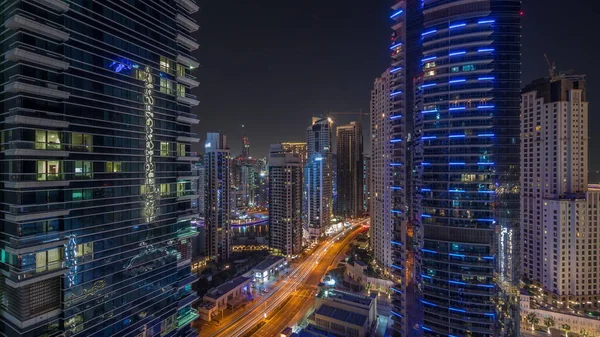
point(95, 187)
point(458, 65)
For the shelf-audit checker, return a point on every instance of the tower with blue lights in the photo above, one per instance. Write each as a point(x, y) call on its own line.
point(458, 72)
point(95, 121)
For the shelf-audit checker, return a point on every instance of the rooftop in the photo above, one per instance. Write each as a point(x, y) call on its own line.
point(313, 331)
point(226, 287)
point(269, 261)
point(345, 296)
point(342, 315)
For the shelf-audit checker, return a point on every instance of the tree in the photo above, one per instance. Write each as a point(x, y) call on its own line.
point(584, 333)
point(566, 328)
point(532, 319)
point(549, 323)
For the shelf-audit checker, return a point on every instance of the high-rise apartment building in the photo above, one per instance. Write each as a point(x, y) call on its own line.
point(217, 213)
point(454, 92)
point(297, 147)
point(245, 147)
point(95, 117)
point(380, 172)
point(366, 185)
point(318, 178)
point(285, 202)
point(559, 216)
point(349, 170)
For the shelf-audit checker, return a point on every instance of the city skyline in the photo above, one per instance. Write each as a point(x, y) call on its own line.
point(369, 28)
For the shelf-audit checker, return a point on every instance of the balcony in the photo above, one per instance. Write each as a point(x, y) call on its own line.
point(24, 213)
point(188, 139)
point(19, 54)
point(17, 86)
point(20, 22)
point(187, 232)
point(187, 23)
point(188, 99)
point(187, 318)
point(187, 217)
point(187, 42)
point(189, 5)
point(36, 121)
point(187, 195)
point(36, 184)
point(20, 278)
point(187, 118)
point(187, 61)
point(188, 81)
point(57, 5)
point(27, 245)
point(33, 149)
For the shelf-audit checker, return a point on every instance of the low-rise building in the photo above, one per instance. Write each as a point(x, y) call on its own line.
point(357, 272)
point(227, 295)
point(270, 266)
point(344, 313)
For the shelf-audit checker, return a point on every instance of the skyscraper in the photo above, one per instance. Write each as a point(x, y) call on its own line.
point(349, 169)
point(95, 133)
point(285, 201)
point(245, 147)
point(559, 217)
point(297, 147)
point(381, 199)
point(467, 136)
point(366, 185)
point(318, 178)
point(217, 214)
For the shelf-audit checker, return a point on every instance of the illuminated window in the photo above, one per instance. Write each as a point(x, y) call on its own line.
point(181, 90)
point(113, 166)
point(82, 142)
point(454, 69)
point(48, 170)
point(164, 149)
point(538, 128)
point(165, 64)
point(142, 189)
point(165, 189)
point(47, 260)
point(468, 67)
point(180, 70)
point(83, 169)
point(429, 73)
point(181, 150)
point(140, 74)
point(429, 65)
point(180, 189)
point(85, 249)
point(47, 140)
point(166, 86)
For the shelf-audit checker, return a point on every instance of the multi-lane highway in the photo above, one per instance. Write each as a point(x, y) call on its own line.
point(296, 291)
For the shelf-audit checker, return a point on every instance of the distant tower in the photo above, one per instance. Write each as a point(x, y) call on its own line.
point(285, 201)
point(559, 214)
point(349, 173)
point(217, 203)
point(245, 147)
point(318, 178)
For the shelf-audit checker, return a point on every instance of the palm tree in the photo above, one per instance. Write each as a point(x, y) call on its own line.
point(566, 328)
point(532, 319)
point(549, 323)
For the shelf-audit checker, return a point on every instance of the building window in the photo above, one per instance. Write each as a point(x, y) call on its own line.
point(429, 73)
point(454, 69)
point(164, 149)
point(181, 90)
point(83, 169)
point(47, 140)
point(166, 86)
point(165, 190)
point(181, 150)
point(429, 65)
point(468, 67)
point(85, 249)
point(168, 324)
point(47, 260)
point(82, 142)
point(165, 64)
point(79, 195)
point(180, 70)
point(180, 189)
point(113, 166)
point(48, 170)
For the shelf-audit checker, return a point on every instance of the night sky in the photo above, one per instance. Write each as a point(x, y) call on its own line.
point(271, 65)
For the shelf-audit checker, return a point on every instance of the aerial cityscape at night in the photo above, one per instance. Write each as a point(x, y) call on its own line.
point(318, 168)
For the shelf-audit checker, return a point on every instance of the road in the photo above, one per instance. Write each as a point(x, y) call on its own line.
point(295, 291)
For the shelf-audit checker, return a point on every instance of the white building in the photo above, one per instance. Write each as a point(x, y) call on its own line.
point(318, 177)
point(285, 202)
point(217, 202)
point(380, 173)
point(559, 214)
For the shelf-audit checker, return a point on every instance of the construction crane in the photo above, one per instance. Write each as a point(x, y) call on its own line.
point(551, 67)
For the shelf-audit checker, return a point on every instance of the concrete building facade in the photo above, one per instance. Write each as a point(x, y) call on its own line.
point(349, 170)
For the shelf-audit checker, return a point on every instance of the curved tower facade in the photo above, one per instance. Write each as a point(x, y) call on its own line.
point(469, 167)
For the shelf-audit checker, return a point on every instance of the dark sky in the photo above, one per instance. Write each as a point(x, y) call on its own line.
point(272, 64)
